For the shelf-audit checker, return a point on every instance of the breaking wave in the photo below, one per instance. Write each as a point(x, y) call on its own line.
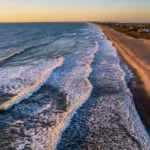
point(23, 81)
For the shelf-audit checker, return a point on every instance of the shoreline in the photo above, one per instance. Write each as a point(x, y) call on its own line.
point(140, 82)
point(108, 118)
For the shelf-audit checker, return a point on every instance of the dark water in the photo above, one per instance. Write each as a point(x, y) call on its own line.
point(63, 86)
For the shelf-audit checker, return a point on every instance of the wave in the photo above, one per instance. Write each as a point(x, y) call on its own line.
point(23, 42)
point(77, 88)
point(25, 50)
point(71, 80)
point(78, 104)
point(35, 46)
point(27, 80)
point(8, 57)
point(32, 39)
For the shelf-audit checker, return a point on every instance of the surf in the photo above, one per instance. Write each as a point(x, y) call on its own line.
point(67, 92)
point(29, 90)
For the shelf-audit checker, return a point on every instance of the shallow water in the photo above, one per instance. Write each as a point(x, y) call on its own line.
point(63, 85)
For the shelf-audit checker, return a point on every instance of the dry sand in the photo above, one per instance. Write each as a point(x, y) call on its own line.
point(136, 53)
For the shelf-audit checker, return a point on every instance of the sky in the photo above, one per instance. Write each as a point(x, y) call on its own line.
point(74, 10)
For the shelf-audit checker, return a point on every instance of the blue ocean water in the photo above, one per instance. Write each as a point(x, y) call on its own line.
point(59, 84)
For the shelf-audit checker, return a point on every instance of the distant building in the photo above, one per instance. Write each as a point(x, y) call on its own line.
point(144, 30)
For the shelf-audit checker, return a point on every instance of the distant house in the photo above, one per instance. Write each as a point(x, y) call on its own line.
point(144, 30)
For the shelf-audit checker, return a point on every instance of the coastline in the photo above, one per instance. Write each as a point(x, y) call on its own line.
point(84, 104)
point(140, 81)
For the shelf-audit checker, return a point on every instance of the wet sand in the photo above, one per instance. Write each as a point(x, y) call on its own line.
point(136, 53)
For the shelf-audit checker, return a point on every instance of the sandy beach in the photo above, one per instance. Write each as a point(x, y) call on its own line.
point(136, 53)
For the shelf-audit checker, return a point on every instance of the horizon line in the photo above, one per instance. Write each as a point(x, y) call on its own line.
point(75, 22)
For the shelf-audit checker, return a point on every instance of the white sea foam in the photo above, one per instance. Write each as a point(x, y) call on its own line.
point(22, 81)
point(77, 88)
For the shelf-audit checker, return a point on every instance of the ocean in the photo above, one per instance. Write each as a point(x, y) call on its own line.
point(63, 86)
